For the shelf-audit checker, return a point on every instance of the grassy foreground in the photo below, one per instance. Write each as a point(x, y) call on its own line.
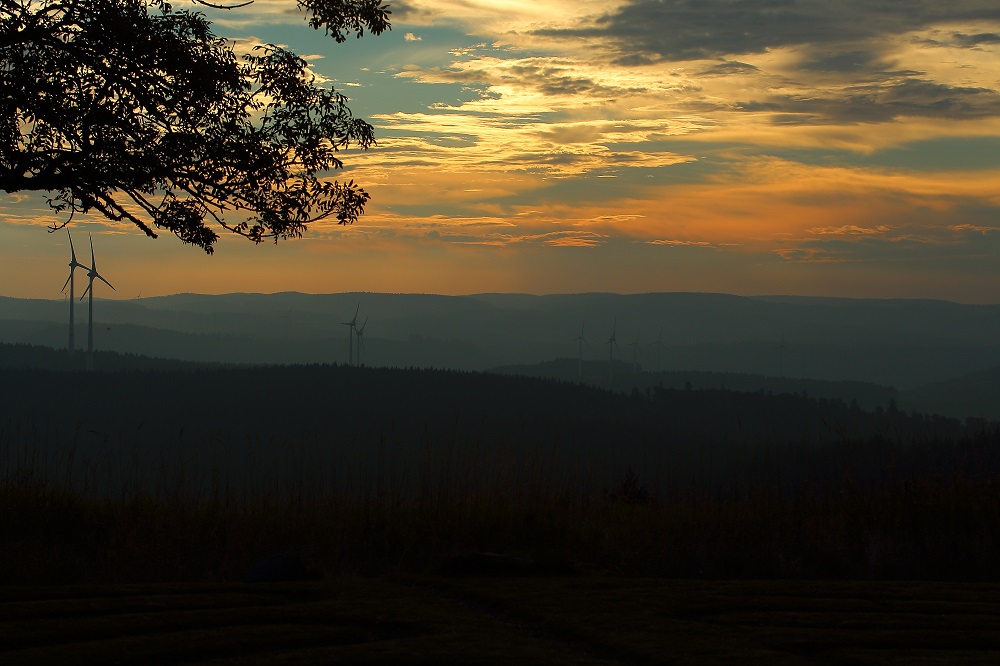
point(910, 521)
point(571, 620)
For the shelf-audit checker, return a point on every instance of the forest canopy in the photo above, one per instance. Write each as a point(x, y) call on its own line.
point(137, 110)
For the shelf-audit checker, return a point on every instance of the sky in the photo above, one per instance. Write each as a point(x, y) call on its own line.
point(808, 147)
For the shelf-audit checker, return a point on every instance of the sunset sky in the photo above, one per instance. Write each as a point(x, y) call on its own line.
point(847, 148)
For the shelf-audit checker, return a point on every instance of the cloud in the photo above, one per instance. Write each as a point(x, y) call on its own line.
point(41, 219)
point(809, 63)
point(697, 99)
point(850, 230)
point(674, 242)
point(410, 37)
point(973, 228)
point(474, 141)
point(707, 29)
point(551, 238)
point(880, 101)
point(963, 40)
point(810, 255)
point(550, 76)
point(511, 19)
point(729, 68)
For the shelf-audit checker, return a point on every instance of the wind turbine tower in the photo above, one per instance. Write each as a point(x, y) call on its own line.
point(581, 342)
point(73, 265)
point(612, 343)
point(92, 274)
point(351, 327)
point(360, 332)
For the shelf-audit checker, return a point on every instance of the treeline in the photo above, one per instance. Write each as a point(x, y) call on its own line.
point(333, 400)
point(710, 436)
point(596, 373)
point(39, 357)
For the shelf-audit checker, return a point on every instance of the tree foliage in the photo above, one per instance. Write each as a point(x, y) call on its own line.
point(138, 111)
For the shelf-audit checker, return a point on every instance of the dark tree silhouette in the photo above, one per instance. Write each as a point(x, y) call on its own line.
point(138, 111)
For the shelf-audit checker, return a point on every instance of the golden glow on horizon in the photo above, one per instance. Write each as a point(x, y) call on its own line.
point(547, 145)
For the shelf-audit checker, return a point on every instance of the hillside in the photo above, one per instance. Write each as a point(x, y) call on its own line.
point(377, 470)
point(212, 413)
point(976, 394)
point(901, 343)
point(596, 373)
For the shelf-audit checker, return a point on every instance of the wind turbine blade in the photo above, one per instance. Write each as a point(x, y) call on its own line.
point(92, 272)
point(72, 252)
point(85, 291)
point(105, 282)
point(67, 280)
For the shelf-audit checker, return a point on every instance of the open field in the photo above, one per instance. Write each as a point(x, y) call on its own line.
point(575, 620)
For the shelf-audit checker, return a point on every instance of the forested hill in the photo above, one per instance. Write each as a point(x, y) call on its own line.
point(334, 403)
point(40, 357)
point(596, 373)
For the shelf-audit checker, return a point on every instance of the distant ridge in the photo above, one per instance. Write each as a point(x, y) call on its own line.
point(976, 395)
point(38, 357)
point(866, 394)
point(193, 405)
point(891, 342)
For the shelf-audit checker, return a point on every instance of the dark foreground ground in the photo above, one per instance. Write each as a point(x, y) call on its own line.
point(574, 620)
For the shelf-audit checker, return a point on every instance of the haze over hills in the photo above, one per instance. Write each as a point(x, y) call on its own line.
point(900, 343)
point(975, 394)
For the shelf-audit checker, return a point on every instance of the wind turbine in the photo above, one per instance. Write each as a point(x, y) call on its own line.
point(93, 275)
point(73, 265)
point(581, 342)
point(350, 335)
point(360, 332)
point(612, 343)
point(635, 354)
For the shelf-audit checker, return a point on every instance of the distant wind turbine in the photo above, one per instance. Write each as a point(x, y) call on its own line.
point(360, 332)
point(581, 342)
point(73, 265)
point(612, 343)
point(635, 354)
point(351, 327)
point(93, 275)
